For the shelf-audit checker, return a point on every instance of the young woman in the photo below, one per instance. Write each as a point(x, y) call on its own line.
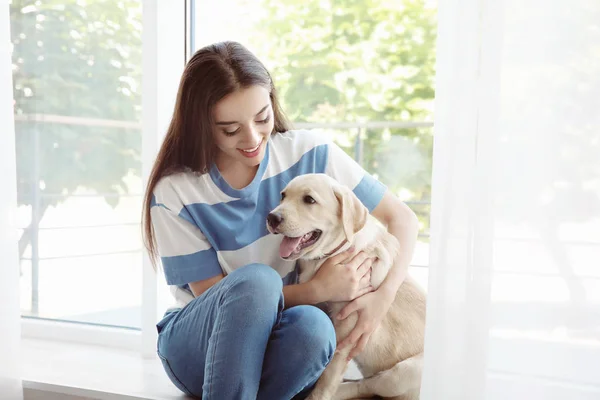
point(242, 327)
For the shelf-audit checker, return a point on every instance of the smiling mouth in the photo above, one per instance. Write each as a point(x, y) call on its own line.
point(252, 150)
point(291, 246)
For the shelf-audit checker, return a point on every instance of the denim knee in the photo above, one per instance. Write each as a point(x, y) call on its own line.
point(261, 282)
point(315, 334)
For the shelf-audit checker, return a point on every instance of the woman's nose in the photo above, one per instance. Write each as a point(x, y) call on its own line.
point(252, 136)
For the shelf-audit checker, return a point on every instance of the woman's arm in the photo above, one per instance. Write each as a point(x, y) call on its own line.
point(305, 293)
point(344, 276)
point(311, 292)
point(302, 293)
point(401, 222)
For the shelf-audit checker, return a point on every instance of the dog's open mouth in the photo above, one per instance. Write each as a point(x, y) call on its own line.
point(293, 245)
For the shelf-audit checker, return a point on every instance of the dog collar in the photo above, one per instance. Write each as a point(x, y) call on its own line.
point(336, 249)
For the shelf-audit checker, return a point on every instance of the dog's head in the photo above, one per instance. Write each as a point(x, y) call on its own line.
point(315, 215)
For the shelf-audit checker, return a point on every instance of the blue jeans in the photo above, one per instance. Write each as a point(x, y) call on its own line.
point(236, 341)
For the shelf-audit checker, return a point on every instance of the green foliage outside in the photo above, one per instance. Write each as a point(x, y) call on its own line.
point(351, 61)
point(78, 59)
point(358, 61)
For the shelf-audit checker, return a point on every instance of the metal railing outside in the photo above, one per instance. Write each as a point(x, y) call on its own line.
point(38, 195)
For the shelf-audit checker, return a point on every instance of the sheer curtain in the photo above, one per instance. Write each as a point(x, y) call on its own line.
point(514, 284)
point(10, 328)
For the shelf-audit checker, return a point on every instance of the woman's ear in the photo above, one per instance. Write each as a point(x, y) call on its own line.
point(353, 214)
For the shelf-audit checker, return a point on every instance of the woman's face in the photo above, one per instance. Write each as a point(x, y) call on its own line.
point(243, 125)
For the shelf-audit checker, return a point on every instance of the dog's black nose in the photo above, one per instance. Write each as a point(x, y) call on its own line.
point(274, 219)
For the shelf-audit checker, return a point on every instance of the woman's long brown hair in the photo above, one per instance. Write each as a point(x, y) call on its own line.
point(211, 74)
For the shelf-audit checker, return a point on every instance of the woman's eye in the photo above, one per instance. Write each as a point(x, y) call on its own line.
point(231, 133)
point(282, 196)
point(309, 200)
point(264, 121)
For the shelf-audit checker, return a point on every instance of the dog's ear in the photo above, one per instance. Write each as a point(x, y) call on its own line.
point(353, 213)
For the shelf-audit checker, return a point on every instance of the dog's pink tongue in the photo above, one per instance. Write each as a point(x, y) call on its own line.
point(288, 245)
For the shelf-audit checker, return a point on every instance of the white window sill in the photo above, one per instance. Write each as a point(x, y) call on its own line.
point(62, 370)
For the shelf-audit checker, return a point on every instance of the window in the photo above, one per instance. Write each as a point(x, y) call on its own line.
point(361, 72)
point(77, 76)
point(363, 75)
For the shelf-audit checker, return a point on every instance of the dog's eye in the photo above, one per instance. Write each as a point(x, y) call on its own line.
point(282, 196)
point(309, 200)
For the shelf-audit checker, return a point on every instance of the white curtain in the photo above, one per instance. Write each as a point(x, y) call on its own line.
point(514, 284)
point(10, 328)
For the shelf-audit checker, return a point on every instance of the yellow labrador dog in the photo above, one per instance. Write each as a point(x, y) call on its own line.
point(318, 217)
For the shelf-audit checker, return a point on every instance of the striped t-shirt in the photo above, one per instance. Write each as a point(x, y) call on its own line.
point(205, 227)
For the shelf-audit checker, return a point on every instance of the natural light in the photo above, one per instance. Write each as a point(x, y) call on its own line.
point(480, 116)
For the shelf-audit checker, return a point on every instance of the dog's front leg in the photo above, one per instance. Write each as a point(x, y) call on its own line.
point(331, 378)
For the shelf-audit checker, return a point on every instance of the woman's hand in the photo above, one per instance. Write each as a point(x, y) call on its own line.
point(344, 277)
point(371, 309)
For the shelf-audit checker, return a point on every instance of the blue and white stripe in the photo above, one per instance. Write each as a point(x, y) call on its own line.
point(205, 227)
